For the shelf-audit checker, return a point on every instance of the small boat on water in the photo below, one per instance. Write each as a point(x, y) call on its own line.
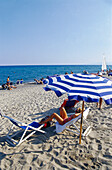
point(104, 67)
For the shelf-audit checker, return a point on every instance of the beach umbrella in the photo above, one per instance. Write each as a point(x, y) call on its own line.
point(82, 87)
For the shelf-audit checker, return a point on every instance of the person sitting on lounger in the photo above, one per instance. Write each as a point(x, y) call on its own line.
point(10, 87)
point(39, 81)
point(63, 118)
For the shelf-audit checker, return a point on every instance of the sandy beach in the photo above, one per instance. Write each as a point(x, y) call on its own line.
point(53, 151)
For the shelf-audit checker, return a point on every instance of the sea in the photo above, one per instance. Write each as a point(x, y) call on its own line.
point(30, 72)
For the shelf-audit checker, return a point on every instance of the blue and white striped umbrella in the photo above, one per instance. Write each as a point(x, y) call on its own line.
point(86, 87)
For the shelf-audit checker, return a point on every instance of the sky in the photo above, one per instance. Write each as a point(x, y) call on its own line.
point(55, 32)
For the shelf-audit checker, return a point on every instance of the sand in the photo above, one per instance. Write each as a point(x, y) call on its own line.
point(53, 151)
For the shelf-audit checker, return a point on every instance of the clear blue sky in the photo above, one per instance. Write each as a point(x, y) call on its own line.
point(55, 31)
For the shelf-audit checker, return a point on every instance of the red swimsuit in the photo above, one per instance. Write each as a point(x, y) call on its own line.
point(67, 119)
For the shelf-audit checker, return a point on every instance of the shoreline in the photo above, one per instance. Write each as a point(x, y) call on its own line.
point(34, 83)
point(29, 73)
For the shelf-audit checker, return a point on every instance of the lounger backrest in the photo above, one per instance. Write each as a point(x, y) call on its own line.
point(60, 128)
point(73, 120)
point(85, 114)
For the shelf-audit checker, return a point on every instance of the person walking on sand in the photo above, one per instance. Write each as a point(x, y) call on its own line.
point(8, 81)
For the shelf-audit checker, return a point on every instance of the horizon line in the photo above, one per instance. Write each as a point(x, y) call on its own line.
point(43, 64)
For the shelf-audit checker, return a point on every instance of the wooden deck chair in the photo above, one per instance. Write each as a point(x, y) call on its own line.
point(31, 128)
point(60, 128)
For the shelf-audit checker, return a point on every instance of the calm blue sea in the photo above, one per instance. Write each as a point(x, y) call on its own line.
point(29, 72)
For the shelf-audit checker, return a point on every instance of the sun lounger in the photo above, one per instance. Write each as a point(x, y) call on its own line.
point(60, 128)
point(31, 128)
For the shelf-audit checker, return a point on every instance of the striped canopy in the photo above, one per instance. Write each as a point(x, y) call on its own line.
point(86, 87)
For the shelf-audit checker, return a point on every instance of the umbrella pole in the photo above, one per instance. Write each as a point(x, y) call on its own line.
point(81, 122)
